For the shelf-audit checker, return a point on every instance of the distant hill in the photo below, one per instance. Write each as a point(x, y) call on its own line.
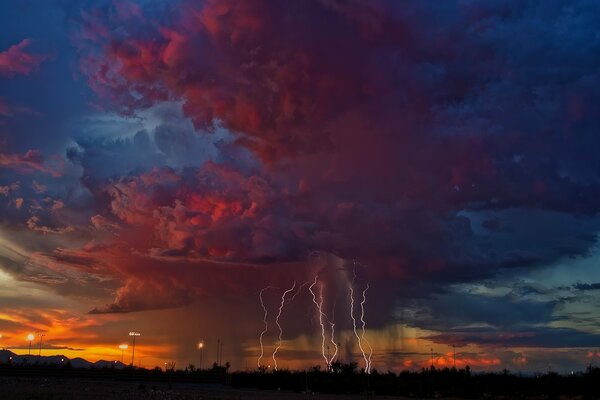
point(7, 355)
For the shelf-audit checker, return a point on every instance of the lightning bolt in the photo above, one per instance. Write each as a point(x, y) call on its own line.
point(299, 290)
point(351, 293)
point(320, 310)
point(335, 346)
point(260, 339)
point(279, 326)
point(332, 325)
point(362, 320)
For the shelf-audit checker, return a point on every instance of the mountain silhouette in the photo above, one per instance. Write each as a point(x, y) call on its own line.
point(78, 362)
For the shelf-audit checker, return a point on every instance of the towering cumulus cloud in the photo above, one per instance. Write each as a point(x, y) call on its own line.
point(384, 130)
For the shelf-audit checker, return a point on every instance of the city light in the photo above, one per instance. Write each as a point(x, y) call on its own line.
point(123, 347)
point(201, 348)
point(30, 338)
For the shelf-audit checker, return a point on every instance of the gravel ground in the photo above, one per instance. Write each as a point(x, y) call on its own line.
point(71, 389)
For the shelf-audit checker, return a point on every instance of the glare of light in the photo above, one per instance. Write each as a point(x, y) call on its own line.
point(201, 345)
point(123, 346)
point(30, 337)
point(0, 336)
point(135, 334)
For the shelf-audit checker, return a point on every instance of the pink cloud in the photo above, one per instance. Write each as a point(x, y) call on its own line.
point(30, 162)
point(34, 224)
point(17, 61)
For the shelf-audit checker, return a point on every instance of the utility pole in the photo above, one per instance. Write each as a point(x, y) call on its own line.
point(41, 338)
point(30, 339)
point(218, 350)
point(454, 351)
point(221, 355)
point(134, 335)
point(431, 358)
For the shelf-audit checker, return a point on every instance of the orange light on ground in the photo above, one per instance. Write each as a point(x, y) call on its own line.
point(201, 348)
point(30, 338)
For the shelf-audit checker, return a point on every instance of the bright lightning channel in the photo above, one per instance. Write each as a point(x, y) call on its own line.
point(260, 339)
point(279, 326)
point(351, 293)
point(320, 310)
point(362, 320)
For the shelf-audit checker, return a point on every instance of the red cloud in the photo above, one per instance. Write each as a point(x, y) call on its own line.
point(219, 212)
point(255, 66)
point(30, 162)
point(376, 124)
point(17, 61)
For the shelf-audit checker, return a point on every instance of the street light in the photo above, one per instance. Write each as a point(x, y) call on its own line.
point(30, 338)
point(134, 335)
point(41, 338)
point(123, 347)
point(201, 348)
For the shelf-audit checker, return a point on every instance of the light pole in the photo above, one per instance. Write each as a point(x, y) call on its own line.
point(218, 350)
point(41, 338)
point(134, 335)
point(432, 358)
point(123, 347)
point(201, 348)
point(30, 338)
point(454, 355)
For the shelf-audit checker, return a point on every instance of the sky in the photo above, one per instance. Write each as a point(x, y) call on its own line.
point(398, 179)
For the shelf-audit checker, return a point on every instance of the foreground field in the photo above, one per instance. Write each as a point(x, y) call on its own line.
point(69, 389)
point(13, 388)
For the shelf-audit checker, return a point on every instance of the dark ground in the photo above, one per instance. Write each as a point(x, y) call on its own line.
point(20, 388)
point(25, 388)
